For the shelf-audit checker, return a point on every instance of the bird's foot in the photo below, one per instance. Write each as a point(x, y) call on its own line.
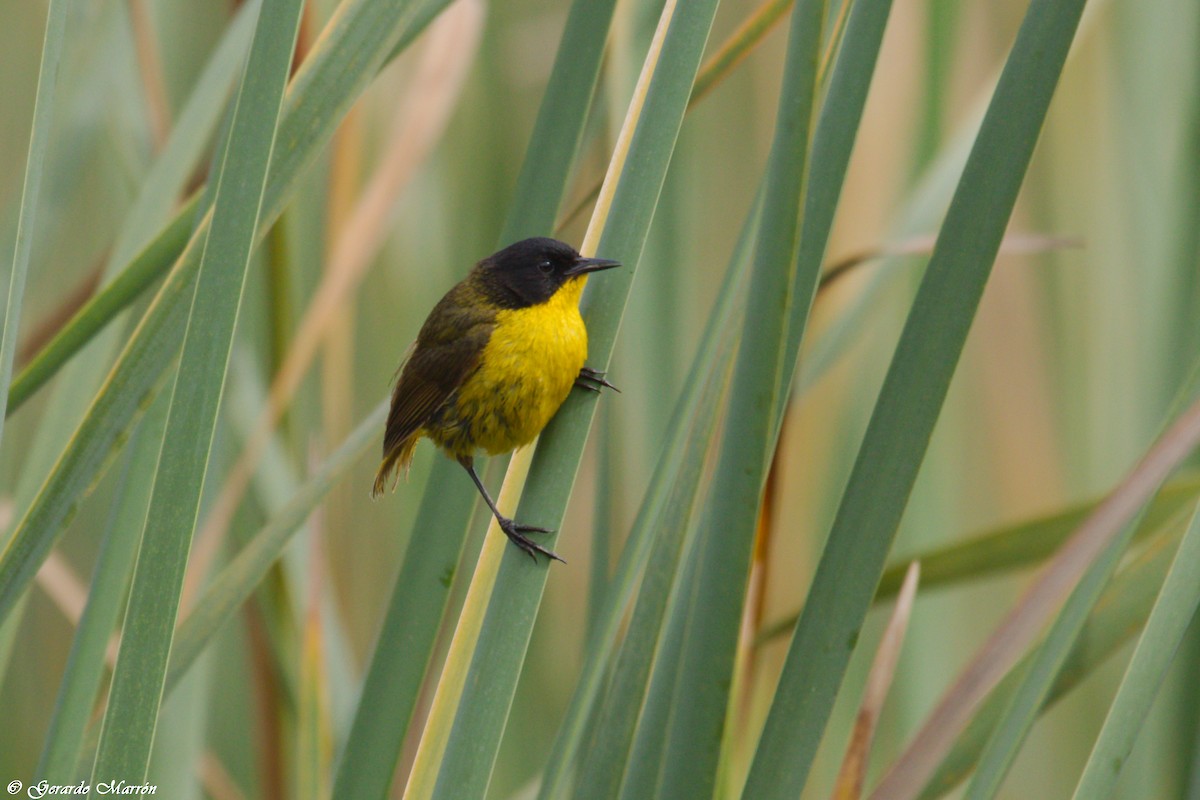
point(592, 380)
point(516, 534)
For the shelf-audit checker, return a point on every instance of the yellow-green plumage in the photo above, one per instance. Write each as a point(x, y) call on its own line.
point(493, 362)
point(525, 373)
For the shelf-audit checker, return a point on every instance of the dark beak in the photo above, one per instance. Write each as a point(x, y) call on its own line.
point(583, 265)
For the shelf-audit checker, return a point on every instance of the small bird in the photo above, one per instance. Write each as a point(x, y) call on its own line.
point(493, 362)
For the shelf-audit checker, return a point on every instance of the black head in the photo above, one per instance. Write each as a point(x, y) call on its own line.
point(530, 271)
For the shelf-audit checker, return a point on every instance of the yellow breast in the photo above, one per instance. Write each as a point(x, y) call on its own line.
point(526, 372)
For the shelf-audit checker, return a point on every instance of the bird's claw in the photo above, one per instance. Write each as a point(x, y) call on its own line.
point(592, 380)
point(516, 534)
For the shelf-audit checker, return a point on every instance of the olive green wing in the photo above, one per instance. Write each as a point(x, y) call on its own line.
point(446, 353)
point(427, 381)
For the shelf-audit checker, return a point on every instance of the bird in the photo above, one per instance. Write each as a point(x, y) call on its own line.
point(492, 363)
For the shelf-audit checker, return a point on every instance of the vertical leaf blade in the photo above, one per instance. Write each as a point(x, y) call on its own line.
point(500, 651)
point(712, 615)
point(128, 730)
point(1173, 610)
point(418, 600)
point(910, 402)
point(312, 108)
point(87, 662)
point(39, 144)
point(656, 541)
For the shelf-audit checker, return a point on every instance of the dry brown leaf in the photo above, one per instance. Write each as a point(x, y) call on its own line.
point(1032, 613)
point(216, 780)
point(853, 773)
point(62, 586)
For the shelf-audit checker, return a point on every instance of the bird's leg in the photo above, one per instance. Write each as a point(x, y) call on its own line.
point(516, 533)
point(592, 380)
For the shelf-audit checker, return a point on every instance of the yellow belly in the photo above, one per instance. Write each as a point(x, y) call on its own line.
point(526, 372)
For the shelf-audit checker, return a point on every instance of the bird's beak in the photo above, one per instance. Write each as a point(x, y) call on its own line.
point(583, 265)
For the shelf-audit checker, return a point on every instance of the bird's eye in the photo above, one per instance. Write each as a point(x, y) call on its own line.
point(546, 267)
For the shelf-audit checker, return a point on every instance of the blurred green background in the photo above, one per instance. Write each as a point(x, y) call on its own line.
point(1071, 363)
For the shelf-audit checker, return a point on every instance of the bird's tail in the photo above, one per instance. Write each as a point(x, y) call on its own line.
point(399, 457)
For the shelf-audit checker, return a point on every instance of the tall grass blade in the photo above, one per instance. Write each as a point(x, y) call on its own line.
point(333, 76)
point(657, 541)
point(87, 663)
point(1046, 662)
point(921, 211)
point(833, 141)
point(700, 694)
point(1118, 614)
point(613, 765)
point(403, 645)
point(147, 267)
point(418, 599)
point(336, 71)
point(656, 538)
point(725, 59)
point(39, 145)
point(1035, 683)
point(162, 186)
point(136, 263)
point(739, 45)
point(852, 776)
point(236, 582)
point(432, 97)
point(164, 183)
point(496, 663)
point(1173, 611)
point(138, 256)
point(126, 391)
point(1084, 562)
point(560, 124)
point(127, 733)
point(909, 402)
point(194, 130)
point(1011, 547)
point(649, 744)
